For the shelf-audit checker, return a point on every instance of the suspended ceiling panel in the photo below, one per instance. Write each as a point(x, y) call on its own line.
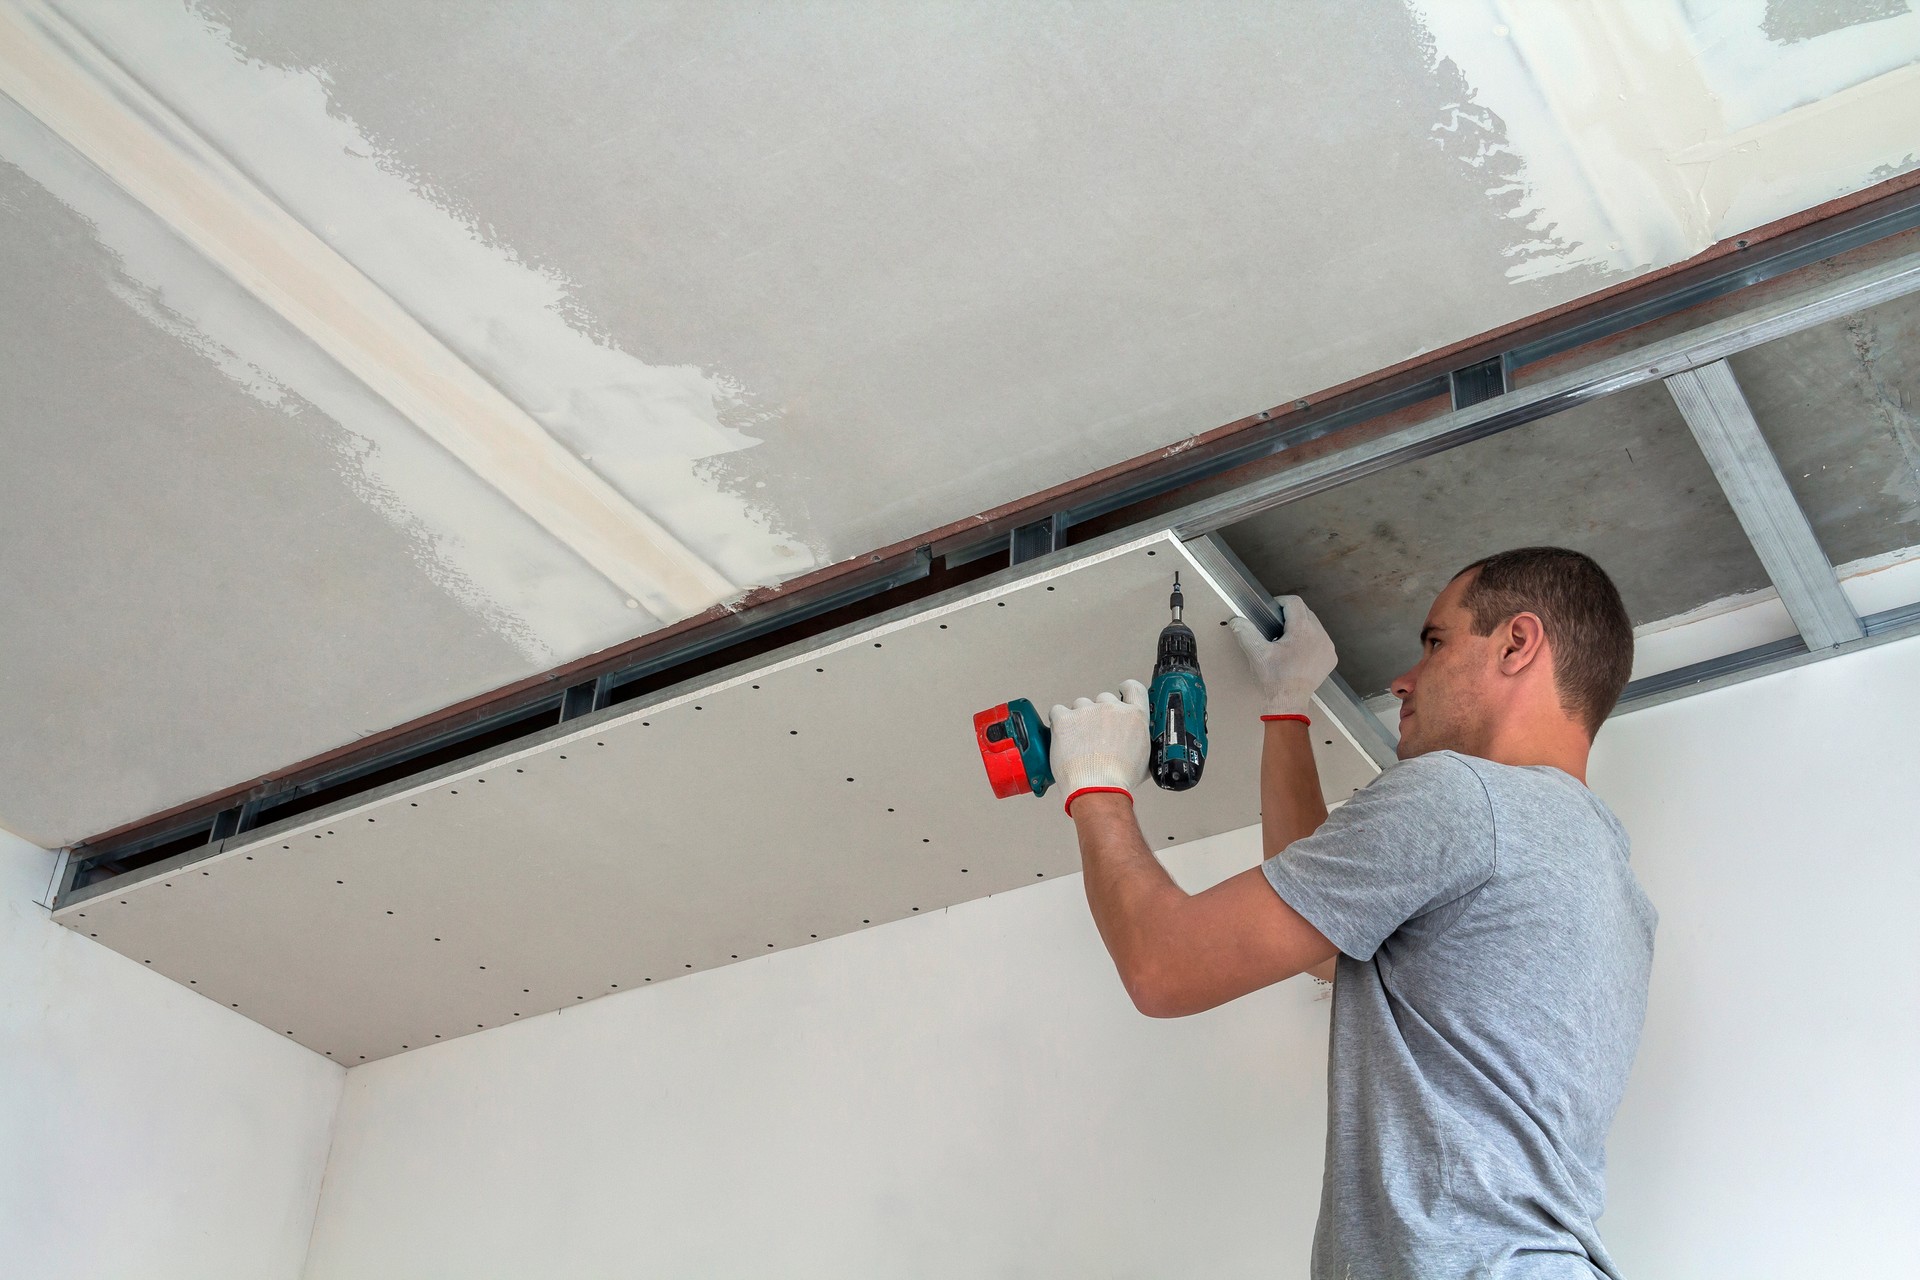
point(829, 790)
point(1620, 479)
point(795, 282)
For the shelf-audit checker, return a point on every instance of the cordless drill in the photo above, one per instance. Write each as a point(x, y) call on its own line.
point(1014, 743)
point(1177, 702)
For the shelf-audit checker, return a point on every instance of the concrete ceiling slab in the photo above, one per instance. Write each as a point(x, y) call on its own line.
point(1840, 406)
point(826, 791)
point(1620, 479)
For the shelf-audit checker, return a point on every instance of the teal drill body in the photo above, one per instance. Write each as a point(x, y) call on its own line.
point(1177, 702)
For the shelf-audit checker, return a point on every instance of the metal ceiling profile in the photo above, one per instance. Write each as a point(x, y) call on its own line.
point(1724, 426)
point(1683, 360)
point(1803, 574)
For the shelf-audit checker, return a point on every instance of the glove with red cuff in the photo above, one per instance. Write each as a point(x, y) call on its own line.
point(1289, 669)
point(1100, 744)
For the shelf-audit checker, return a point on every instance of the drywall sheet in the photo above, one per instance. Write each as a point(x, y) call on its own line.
point(816, 794)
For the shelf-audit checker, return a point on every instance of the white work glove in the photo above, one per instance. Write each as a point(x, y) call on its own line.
point(1100, 744)
point(1289, 669)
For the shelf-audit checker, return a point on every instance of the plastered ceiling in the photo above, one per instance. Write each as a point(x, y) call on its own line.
point(360, 358)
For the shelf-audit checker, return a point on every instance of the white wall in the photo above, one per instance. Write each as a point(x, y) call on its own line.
point(1772, 1127)
point(144, 1130)
point(969, 1094)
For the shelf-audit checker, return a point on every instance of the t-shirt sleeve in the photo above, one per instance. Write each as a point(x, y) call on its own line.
point(1419, 837)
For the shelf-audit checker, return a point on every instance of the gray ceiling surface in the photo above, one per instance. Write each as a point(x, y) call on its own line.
point(1840, 405)
point(1620, 479)
point(794, 281)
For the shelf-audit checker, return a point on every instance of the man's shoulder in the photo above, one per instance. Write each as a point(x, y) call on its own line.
point(1439, 781)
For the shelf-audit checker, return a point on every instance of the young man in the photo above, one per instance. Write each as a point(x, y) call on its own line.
point(1488, 943)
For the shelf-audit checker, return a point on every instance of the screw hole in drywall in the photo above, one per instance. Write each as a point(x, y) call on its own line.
point(1153, 553)
point(943, 626)
point(1000, 603)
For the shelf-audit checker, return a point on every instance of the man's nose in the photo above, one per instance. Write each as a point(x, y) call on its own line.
point(1402, 686)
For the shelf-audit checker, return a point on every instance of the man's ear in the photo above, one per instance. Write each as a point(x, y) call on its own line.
point(1525, 639)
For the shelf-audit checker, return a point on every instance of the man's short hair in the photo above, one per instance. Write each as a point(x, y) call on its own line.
point(1577, 603)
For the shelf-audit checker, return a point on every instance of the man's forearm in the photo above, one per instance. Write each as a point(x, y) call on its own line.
point(1291, 806)
point(1127, 888)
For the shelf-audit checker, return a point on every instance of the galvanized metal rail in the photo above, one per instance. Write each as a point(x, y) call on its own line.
point(1035, 550)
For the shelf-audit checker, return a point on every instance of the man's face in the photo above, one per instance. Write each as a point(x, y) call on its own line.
point(1445, 701)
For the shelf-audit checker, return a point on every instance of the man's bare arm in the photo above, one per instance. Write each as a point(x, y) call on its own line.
point(1180, 953)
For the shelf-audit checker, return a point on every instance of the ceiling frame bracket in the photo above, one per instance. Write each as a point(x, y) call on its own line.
point(1724, 426)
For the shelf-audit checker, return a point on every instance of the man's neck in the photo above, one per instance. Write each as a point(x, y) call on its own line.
point(1562, 746)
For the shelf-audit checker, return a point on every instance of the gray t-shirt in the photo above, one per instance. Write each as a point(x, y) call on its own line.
point(1486, 1008)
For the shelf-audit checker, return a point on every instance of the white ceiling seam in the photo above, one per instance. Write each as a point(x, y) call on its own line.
point(829, 790)
point(53, 71)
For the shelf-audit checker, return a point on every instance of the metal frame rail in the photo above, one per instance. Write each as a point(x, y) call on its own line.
point(1691, 364)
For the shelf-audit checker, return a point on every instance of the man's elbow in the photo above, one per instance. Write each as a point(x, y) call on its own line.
point(1156, 996)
